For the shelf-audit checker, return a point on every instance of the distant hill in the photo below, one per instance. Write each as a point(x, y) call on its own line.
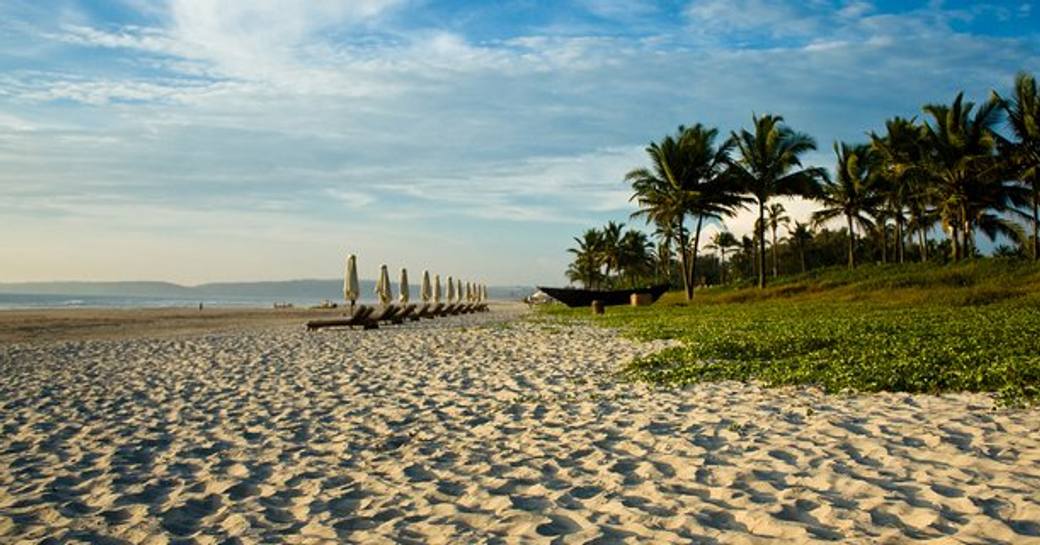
point(308, 289)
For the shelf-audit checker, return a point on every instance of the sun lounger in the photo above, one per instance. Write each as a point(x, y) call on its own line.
point(404, 314)
point(385, 314)
point(429, 311)
point(359, 318)
point(447, 310)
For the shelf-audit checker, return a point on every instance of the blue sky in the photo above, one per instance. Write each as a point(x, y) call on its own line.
point(193, 141)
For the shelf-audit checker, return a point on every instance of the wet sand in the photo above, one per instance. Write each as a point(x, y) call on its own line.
point(41, 326)
point(480, 429)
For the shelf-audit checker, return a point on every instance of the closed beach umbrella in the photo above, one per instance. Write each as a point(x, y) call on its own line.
point(351, 291)
point(383, 286)
point(468, 293)
point(425, 291)
point(484, 293)
point(458, 291)
point(437, 288)
point(405, 292)
point(451, 290)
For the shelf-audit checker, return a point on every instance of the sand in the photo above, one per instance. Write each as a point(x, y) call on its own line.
point(49, 325)
point(474, 430)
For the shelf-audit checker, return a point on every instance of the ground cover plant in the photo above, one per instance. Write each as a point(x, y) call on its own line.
point(910, 328)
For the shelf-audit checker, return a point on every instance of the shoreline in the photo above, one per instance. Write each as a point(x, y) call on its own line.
point(83, 324)
point(35, 326)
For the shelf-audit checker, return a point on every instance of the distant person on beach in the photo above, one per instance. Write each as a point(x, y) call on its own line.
point(200, 306)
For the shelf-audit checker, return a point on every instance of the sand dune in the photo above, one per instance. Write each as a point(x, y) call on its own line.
point(470, 430)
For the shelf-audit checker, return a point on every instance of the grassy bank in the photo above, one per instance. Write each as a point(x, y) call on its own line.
point(911, 328)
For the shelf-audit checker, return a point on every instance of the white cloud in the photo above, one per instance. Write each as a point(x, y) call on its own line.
point(776, 17)
point(281, 118)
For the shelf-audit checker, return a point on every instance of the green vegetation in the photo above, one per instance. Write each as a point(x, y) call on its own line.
point(928, 188)
point(974, 326)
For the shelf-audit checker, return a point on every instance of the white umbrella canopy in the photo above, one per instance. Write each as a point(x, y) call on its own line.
point(425, 290)
point(451, 290)
point(405, 291)
point(383, 286)
point(351, 291)
point(437, 288)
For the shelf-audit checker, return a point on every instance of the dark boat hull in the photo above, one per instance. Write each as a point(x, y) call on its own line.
point(574, 297)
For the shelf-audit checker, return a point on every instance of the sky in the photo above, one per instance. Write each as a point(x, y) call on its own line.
point(195, 140)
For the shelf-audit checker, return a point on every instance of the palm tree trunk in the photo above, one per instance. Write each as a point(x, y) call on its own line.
point(922, 236)
point(884, 243)
point(761, 228)
point(684, 262)
point(696, 248)
point(968, 239)
point(801, 253)
point(852, 244)
point(900, 246)
point(776, 267)
point(956, 242)
point(1036, 220)
point(722, 266)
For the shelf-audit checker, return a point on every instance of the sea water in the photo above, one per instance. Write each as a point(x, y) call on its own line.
point(11, 301)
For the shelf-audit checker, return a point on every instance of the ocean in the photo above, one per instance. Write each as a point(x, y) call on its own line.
point(13, 301)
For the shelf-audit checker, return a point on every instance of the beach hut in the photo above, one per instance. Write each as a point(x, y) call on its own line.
point(383, 286)
point(351, 291)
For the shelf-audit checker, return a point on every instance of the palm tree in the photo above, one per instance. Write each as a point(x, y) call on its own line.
point(849, 194)
point(611, 247)
point(688, 177)
point(586, 267)
point(635, 256)
point(769, 165)
point(903, 184)
point(775, 217)
point(1023, 113)
point(664, 235)
point(722, 242)
point(801, 236)
point(974, 191)
point(748, 246)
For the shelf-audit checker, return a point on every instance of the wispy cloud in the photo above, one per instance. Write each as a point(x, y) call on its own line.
point(286, 118)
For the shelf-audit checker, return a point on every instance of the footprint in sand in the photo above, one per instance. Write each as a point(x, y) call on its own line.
point(530, 503)
point(585, 492)
point(558, 525)
point(186, 520)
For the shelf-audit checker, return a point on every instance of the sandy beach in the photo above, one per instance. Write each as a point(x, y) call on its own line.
point(49, 325)
point(477, 429)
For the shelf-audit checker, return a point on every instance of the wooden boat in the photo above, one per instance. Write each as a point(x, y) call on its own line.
point(576, 297)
